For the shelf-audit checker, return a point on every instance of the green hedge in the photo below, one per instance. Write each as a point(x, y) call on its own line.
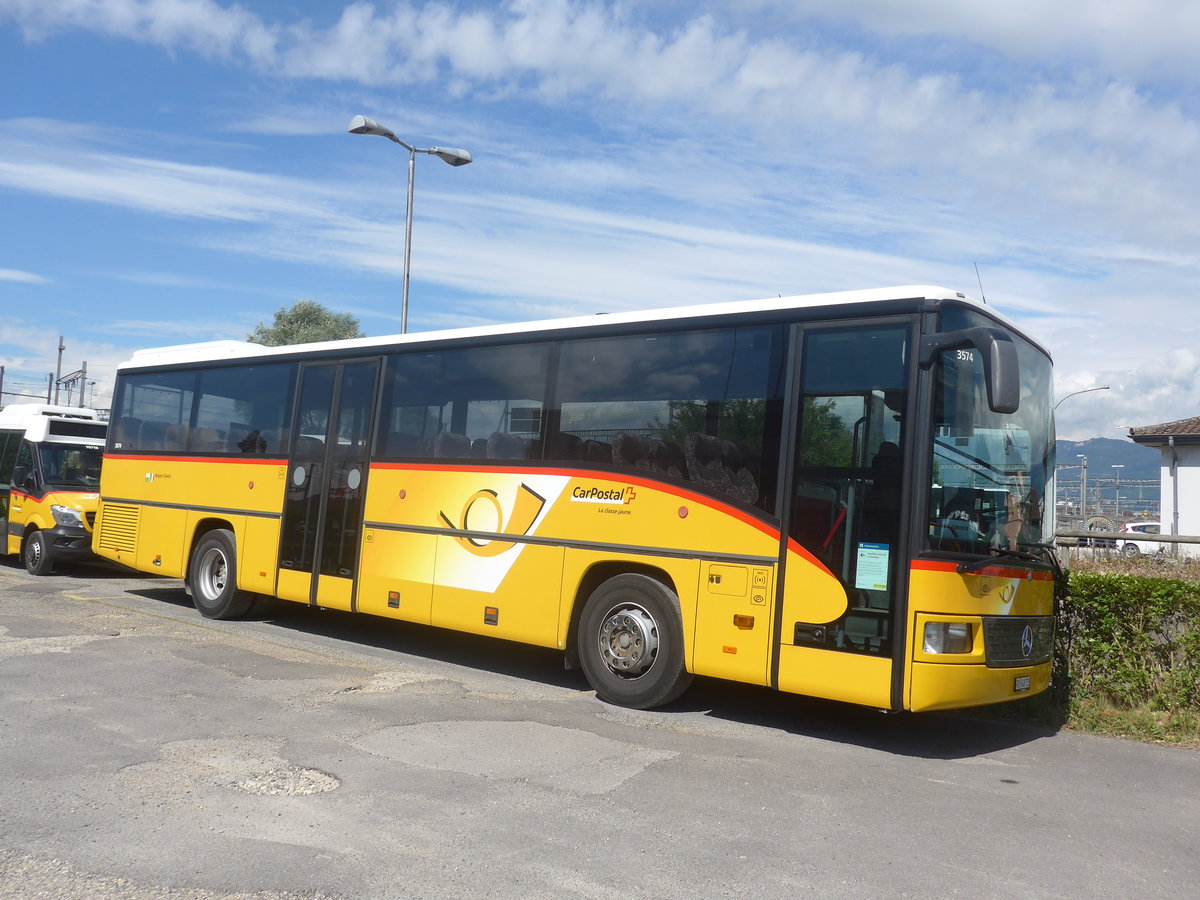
point(1130, 641)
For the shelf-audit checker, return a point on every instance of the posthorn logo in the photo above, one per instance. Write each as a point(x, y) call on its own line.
point(482, 520)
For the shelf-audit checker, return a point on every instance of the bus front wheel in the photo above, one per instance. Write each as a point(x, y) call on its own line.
point(35, 553)
point(631, 642)
point(213, 577)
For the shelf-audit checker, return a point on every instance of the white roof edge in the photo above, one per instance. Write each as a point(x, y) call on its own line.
point(22, 412)
point(219, 350)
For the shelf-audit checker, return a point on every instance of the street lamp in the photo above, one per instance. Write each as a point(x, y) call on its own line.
point(1083, 484)
point(1103, 387)
point(363, 125)
point(1118, 467)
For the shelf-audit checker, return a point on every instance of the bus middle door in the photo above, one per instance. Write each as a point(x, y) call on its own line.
point(327, 480)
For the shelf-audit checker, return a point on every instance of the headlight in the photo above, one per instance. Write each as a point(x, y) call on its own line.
point(948, 637)
point(67, 515)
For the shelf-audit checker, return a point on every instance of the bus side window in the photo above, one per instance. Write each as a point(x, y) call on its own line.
point(125, 433)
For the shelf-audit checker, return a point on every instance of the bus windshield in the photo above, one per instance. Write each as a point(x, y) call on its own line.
point(70, 465)
point(991, 472)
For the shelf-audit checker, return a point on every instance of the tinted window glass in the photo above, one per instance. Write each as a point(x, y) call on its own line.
point(70, 465)
point(243, 409)
point(846, 496)
point(704, 406)
point(483, 403)
point(152, 412)
point(239, 409)
point(9, 442)
point(992, 474)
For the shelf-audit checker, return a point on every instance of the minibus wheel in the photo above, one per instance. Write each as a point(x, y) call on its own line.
point(35, 553)
point(631, 642)
point(213, 577)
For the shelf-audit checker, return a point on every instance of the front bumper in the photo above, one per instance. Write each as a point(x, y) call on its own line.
point(66, 542)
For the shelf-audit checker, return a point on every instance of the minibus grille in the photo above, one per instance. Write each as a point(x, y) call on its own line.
point(1018, 640)
point(118, 528)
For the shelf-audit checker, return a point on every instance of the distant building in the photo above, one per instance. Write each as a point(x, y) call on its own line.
point(1179, 443)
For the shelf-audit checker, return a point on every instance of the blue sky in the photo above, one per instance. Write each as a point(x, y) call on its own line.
point(177, 170)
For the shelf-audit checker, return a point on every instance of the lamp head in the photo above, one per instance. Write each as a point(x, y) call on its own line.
point(363, 125)
point(451, 157)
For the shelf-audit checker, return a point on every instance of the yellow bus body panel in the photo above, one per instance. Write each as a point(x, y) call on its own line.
point(395, 576)
point(939, 593)
point(852, 677)
point(26, 511)
point(534, 536)
point(734, 618)
point(166, 499)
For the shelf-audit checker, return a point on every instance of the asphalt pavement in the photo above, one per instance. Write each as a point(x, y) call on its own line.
point(146, 752)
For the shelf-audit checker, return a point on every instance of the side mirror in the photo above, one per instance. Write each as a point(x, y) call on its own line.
point(20, 477)
point(1001, 369)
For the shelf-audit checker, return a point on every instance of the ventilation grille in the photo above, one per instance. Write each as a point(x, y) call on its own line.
point(119, 528)
point(1018, 640)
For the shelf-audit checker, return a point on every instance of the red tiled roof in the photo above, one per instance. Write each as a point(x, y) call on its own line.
point(1190, 427)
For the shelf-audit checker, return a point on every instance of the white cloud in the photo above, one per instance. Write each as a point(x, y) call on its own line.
point(22, 277)
point(64, 169)
point(203, 26)
point(1147, 37)
point(30, 355)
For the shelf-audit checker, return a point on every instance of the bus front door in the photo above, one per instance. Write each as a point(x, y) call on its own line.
point(327, 480)
point(844, 557)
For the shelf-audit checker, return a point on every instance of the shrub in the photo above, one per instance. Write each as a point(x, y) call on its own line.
point(1127, 652)
point(1133, 640)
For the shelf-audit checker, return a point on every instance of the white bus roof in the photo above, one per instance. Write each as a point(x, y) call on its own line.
point(222, 350)
point(46, 422)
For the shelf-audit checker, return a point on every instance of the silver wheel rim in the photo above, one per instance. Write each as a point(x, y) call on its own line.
point(33, 552)
point(628, 640)
point(214, 572)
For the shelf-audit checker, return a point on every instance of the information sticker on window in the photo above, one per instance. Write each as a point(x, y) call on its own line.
point(872, 571)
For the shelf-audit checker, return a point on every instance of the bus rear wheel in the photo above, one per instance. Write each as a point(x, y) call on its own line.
point(35, 553)
point(631, 642)
point(213, 577)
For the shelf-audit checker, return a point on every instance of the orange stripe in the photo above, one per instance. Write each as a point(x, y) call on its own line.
point(255, 461)
point(937, 565)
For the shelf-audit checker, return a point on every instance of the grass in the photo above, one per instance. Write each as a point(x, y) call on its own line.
point(1156, 566)
point(1095, 716)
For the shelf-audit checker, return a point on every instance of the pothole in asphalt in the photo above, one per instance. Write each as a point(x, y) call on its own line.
point(250, 765)
point(289, 781)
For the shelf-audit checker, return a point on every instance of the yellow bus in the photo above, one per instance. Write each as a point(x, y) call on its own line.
point(839, 495)
point(49, 482)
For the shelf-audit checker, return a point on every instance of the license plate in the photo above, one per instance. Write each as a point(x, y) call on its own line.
point(1022, 683)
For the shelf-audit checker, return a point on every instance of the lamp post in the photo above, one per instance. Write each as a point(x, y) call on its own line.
point(1083, 485)
point(363, 125)
point(1103, 387)
point(1118, 467)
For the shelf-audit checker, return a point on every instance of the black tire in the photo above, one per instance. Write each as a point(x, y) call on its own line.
point(213, 577)
point(630, 642)
point(1131, 550)
point(35, 553)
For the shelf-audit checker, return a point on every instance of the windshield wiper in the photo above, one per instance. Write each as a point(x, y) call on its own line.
point(976, 564)
point(1048, 549)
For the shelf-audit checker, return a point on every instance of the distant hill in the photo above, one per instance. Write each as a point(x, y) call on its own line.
point(1102, 454)
point(1139, 479)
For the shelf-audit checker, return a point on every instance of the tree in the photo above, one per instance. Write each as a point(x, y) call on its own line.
point(306, 321)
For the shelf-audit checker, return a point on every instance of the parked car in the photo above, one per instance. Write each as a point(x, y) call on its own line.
point(1133, 547)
